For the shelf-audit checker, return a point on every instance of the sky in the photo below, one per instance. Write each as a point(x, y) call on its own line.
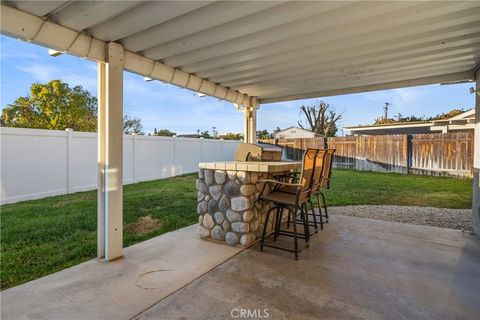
point(164, 106)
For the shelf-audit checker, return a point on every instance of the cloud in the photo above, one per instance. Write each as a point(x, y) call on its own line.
point(401, 99)
point(15, 50)
point(407, 95)
point(42, 72)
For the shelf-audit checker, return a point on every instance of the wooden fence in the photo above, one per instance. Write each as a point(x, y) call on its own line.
point(293, 148)
point(443, 154)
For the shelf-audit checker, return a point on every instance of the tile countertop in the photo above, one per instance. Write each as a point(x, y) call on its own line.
point(252, 166)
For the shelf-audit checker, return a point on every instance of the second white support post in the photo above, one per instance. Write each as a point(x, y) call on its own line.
point(110, 154)
point(253, 125)
point(250, 124)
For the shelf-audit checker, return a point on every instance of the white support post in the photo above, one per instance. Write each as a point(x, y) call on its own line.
point(110, 154)
point(246, 125)
point(253, 125)
point(249, 123)
point(476, 159)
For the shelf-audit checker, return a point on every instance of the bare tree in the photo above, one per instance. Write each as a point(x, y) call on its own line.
point(132, 125)
point(321, 118)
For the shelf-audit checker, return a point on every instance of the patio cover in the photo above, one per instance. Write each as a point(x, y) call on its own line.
point(271, 50)
point(250, 53)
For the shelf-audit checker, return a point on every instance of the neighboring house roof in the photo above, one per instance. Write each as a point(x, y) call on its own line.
point(295, 128)
point(193, 135)
point(462, 122)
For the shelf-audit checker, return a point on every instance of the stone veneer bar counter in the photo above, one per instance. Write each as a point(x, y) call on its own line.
point(226, 193)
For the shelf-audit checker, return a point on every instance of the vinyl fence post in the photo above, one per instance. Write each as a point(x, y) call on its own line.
point(174, 171)
point(69, 159)
point(223, 150)
point(134, 151)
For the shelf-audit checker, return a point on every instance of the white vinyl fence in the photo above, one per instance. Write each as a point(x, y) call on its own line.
point(40, 163)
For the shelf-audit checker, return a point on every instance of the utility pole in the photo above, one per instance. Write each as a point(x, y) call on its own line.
point(385, 109)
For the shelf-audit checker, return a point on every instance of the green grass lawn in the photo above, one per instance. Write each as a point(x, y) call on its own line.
point(40, 237)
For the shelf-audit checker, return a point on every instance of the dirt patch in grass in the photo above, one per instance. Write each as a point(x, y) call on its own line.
point(144, 225)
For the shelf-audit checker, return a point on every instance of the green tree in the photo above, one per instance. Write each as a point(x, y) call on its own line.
point(206, 135)
point(163, 133)
point(233, 136)
point(263, 134)
point(54, 106)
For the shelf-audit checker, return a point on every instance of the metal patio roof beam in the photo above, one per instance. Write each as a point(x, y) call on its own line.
point(79, 15)
point(144, 17)
point(196, 20)
point(356, 23)
point(367, 67)
point(374, 87)
point(346, 81)
point(343, 56)
point(26, 26)
point(408, 33)
point(266, 18)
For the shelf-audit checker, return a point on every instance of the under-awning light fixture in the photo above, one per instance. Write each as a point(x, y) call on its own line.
point(473, 90)
point(147, 79)
point(54, 53)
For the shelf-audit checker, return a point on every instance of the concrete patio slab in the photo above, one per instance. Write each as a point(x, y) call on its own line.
point(356, 268)
point(148, 272)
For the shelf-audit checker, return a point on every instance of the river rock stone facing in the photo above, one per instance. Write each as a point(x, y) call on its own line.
point(208, 221)
point(247, 239)
point(233, 216)
point(224, 203)
point(218, 233)
point(248, 215)
point(240, 204)
point(220, 176)
point(232, 189)
point(201, 186)
point(212, 206)
point(202, 207)
point(209, 177)
point(216, 191)
point(227, 206)
point(231, 238)
point(240, 227)
point(247, 189)
point(219, 217)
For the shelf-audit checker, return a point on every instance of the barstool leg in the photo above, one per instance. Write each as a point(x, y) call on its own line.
point(278, 221)
point(306, 225)
point(320, 211)
point(324, 206)
point(313, 214)
point(265, 227)
point(295, 238)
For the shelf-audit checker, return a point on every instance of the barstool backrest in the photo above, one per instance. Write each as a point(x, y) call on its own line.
point(318, 173)
point(306, 177)
point(327, 168)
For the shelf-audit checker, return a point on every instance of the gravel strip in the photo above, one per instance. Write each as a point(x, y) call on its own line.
point(460, 219)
